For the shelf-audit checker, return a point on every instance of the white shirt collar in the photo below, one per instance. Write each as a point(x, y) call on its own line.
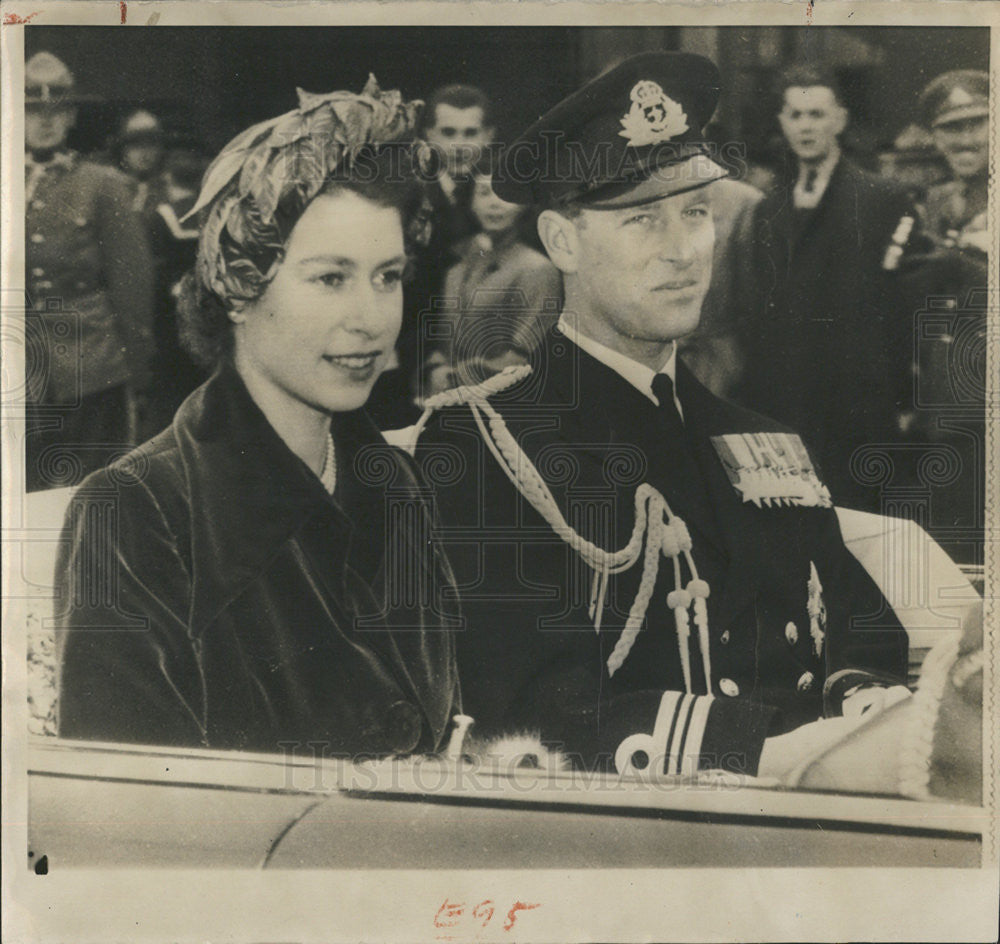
point(824, 171)
point(447, 184)
point(639, 375)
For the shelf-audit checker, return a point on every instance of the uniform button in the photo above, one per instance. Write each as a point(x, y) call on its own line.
point(37, 238)
point(81, 285)
point(41, 286)
point(805, 682)
point(402, 727)
point(81, 221)
point(729, 687)
point(724, 638)
point(38, 204)
point(791, 633)
point(37, 273)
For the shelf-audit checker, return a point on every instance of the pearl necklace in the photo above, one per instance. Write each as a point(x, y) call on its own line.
point(329, 474)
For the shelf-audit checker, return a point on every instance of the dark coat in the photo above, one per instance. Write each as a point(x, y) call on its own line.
point(529, 655)
point(232, 603)
point(507, 295)
point(89, 268)
point(827, 337)
point(450, 221)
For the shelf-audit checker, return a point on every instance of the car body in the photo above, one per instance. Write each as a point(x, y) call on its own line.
point(97, 805)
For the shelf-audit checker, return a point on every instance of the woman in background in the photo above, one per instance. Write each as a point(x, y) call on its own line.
point(504, 293)
point(242, 580)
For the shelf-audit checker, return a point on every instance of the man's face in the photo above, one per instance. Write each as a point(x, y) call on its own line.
point(46, 127)
point(965, 145)
point(643, 272)
point(811, 119)
point(460, 135)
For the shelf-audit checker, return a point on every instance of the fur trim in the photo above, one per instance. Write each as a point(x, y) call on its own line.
point(519, 751)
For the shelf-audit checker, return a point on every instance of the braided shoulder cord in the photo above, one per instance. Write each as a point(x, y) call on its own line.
point(665, 533)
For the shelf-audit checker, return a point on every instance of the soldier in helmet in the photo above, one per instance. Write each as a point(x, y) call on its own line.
point(140, 150)
point(89, 282)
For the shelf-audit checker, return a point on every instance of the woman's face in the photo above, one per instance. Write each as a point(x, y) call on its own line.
point(322, 332)
point(495, 215)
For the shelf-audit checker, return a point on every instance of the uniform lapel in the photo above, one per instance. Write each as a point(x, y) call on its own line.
point(609, 411)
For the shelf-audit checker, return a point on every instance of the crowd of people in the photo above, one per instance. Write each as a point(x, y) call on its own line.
point(637, 389)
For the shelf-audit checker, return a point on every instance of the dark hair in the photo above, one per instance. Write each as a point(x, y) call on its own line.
point(803, 75)
point(387, 177)
point(526, 225)
point(458, 96)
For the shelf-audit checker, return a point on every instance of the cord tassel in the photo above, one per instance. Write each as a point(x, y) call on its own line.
point(699, 591)
point(679, 601)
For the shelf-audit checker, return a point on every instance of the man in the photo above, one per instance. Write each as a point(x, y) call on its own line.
point(457, 123)
point(140, 149)
point(950, 373)
point(955, 108)
point(90, 282)
point(827, 339)
point(597, 616)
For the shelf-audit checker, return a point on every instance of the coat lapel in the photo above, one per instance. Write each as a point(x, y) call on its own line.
point(609, 410)
point(379, 494)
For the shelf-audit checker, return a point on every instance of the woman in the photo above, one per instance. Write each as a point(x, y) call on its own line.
point(505, 292)
point(260, 573)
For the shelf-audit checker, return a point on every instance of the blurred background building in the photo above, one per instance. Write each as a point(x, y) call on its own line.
point(218, 80)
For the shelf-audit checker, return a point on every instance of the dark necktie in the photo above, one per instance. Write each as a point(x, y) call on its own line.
point(810, 183)
point(461, 196)
point(686, 475)
point(663, 390)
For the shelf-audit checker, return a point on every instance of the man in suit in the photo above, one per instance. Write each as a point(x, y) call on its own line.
point(827, 339)
point(649, 575)
point(457, 124)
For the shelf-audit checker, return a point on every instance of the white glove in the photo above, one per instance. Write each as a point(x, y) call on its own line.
point(869, 701)
point(785, 752)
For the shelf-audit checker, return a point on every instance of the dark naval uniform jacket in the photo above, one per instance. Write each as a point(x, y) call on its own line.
point(214, 594)
point(90, 279)
point(529, 655)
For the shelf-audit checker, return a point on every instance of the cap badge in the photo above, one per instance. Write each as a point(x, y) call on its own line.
point(653, 117)
point(959, 97)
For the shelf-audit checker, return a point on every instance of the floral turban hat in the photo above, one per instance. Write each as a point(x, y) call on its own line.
point(262, 181)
